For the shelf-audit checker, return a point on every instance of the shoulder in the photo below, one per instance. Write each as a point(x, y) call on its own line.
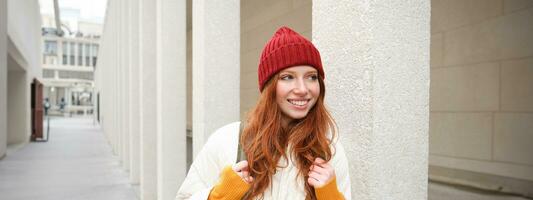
point(336, 145)
point(223, 143)
point(225, 133)
point(340, 161)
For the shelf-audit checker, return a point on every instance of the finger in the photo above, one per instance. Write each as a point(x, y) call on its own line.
point(321, 170)
point(318, 168)
point(245, 165)
point(245, 174)
point(240, 166)
point(313, 174)
point(319, 160)
point(250, 179)
point(313, 182)
point(240, 174)
point(322, 163)
point(317, 176)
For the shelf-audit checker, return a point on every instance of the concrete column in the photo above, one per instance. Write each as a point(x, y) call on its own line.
point(376, 58)
point(216, 65)
point(171, 91)
point(118, 71)
point(3, 78)
point(59, 52)
point(68, 51)
point(118, 80)
point(90, 53)
point(115, 63)
point(134, 95)
point(124, 84)
point(65, 95)
point(76, 53)
point(84, 53)
point(150, 100)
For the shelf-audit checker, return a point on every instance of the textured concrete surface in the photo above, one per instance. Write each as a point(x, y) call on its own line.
point(76, 163)
point(376, 60)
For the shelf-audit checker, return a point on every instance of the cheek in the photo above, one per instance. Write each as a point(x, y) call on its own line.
point(315, 89)
point(280, 94)
point(282, 91)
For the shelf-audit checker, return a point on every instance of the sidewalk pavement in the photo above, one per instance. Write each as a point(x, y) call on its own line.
point(75, 164)
point(437, 191)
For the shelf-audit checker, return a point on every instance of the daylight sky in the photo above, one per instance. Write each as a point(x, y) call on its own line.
point(91, 10)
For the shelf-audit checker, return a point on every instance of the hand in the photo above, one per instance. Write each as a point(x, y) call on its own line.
point(241, 168)
point(320, 173)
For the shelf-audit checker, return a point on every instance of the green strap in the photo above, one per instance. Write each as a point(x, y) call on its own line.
point(240, 152)
point(241, 155)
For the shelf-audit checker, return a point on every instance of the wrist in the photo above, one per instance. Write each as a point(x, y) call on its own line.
point(230, 186)
point(328, 191)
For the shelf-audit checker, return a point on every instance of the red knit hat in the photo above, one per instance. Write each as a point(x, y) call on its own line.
point(286, 49)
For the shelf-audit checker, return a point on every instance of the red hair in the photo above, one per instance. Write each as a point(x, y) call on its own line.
point(265, 141)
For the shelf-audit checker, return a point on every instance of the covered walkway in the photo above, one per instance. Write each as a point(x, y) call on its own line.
point(76, 163)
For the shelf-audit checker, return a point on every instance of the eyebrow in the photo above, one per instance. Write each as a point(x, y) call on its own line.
point(293, 72)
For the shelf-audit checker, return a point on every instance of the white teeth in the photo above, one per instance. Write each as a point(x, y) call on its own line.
point(298, 103)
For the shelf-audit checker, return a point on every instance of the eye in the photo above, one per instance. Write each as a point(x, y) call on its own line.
point(286, 77)
point(313, 77)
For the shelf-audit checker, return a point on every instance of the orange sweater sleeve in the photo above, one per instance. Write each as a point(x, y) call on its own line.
point(329, 191)
point(230, 186)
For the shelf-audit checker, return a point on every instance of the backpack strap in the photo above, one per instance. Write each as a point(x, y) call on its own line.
point(241, 155)
point(240, 152)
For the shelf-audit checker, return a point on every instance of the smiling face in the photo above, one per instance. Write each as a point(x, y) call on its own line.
point(297, 91)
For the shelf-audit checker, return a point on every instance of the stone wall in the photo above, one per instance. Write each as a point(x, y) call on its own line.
point(481, 96)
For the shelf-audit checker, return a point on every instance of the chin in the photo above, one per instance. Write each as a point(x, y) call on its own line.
point(298, 116)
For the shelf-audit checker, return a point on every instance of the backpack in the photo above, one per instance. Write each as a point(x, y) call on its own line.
point(240, 152)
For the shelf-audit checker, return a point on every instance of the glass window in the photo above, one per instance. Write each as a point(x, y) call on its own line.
point(95, 49)
point(80, 54)
point(50, 47)
point(65, 52)
point(87, 55)
point(72, 52)
point(48, 73)
point(94, 53)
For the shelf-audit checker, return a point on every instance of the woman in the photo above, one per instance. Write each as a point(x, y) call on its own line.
point(289, 139)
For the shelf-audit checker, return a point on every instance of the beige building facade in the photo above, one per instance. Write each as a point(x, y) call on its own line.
point(20, 55)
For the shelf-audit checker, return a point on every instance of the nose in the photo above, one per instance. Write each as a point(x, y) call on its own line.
point(300, 88)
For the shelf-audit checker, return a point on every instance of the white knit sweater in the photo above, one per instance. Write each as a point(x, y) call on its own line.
point(221, 150)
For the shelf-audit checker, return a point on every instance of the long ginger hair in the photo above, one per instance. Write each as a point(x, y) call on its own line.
point(265, 141)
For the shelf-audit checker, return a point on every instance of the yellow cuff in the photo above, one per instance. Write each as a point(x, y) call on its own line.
point(329, 191)
point(231, 186)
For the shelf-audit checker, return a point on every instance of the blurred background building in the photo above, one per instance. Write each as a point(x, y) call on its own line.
point(68, 62)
